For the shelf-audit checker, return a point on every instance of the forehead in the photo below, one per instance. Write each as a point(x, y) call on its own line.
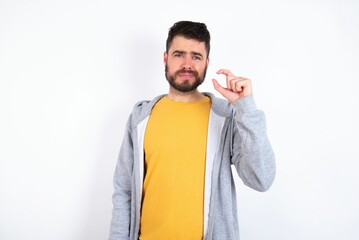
point(184, 44)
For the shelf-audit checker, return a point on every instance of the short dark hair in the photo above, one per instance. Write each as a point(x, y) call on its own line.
point(191, 30)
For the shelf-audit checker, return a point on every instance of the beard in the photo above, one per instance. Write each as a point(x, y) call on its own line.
point(185, 86)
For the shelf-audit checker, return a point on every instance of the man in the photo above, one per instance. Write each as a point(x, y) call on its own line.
point(173, 178)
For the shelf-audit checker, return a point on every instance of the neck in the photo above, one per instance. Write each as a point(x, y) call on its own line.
point(178, 96)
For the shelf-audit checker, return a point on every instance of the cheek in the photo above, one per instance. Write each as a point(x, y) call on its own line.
point(173, 66)
point(200, 67)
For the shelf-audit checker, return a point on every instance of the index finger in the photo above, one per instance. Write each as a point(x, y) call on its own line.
point(225, 72)
point(228, 75)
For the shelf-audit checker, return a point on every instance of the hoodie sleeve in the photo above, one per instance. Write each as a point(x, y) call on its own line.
point(121, 199)
point(252, 155)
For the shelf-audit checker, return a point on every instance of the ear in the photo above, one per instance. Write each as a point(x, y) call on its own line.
point(165, 55)
point(207, 62)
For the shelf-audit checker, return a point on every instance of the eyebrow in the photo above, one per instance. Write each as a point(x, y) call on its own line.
point(183, 52)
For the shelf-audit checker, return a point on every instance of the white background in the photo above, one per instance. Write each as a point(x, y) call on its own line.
point(71, 71)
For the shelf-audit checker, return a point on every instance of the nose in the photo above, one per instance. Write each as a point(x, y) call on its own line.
point(187, 63)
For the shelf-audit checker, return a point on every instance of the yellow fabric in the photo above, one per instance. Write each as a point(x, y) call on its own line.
point(175, 153)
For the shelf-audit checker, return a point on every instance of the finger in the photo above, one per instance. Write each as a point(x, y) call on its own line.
point(228, 75)
point(226, 72)
point(238, 87)
point(218, 87)
point(234, 85)
point(238, 84)
point(243, 86)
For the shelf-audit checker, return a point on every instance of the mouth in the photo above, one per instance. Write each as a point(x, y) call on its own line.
point(186, 74)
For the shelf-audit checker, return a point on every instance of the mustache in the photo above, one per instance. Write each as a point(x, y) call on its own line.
point(195, 73)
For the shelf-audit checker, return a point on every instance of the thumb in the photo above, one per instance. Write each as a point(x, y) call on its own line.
point(218, 87)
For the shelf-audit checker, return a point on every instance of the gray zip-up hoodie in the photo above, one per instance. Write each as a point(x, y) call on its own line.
point(236, 136)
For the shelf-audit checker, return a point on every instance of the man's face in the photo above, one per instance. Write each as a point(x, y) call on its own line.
point(186, 64)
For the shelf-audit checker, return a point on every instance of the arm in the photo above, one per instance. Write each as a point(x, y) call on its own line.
point(252, 155)
point(121, 199)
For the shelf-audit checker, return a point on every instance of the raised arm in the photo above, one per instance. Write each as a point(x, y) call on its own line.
point(252, 155)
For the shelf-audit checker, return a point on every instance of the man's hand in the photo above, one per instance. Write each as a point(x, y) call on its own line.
point(237, 87)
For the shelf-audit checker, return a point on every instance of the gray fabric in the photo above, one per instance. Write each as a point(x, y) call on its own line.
point(242, 142)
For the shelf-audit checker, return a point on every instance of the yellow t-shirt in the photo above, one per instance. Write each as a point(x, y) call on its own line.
point(175, 156)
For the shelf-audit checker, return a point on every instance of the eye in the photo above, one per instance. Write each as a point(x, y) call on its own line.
point(197, 57)
point(178, 54)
